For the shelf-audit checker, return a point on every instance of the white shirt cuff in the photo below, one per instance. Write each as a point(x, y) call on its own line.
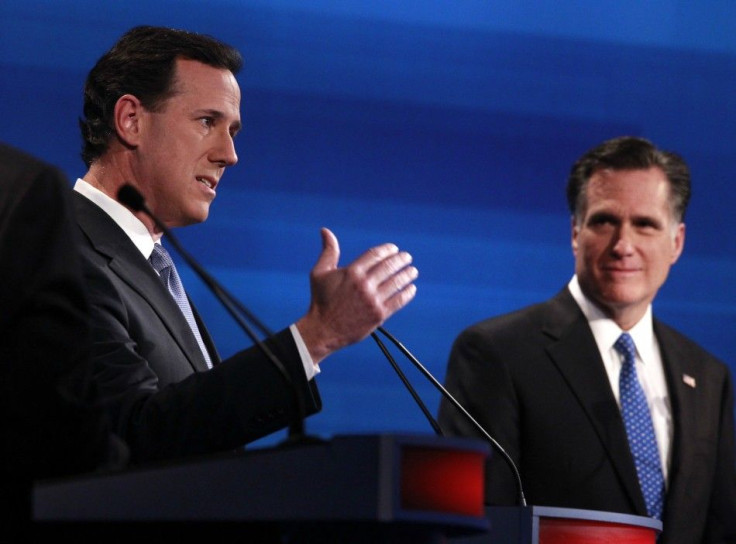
point(310, 369)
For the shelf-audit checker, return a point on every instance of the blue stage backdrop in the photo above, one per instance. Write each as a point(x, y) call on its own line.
point(447, 127)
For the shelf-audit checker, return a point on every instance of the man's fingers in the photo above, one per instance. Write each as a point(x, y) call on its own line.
point(373, 257)
point(400, 299)
point(397, 282)
point(390, 265)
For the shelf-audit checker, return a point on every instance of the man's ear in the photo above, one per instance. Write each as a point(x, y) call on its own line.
point(574, 230)
point(678, 243)
point(127, 118)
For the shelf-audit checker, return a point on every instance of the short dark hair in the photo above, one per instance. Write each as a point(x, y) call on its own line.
point(142, 63)
point(629, 153)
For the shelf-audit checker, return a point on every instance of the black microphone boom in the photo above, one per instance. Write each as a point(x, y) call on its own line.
point(432, 421)
point(131, 197)
point(448, 396)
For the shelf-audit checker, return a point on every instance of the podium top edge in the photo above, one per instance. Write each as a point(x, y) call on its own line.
point(597, 515)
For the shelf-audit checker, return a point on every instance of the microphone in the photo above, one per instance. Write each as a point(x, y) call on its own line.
point(131, 197)
point(448, 396)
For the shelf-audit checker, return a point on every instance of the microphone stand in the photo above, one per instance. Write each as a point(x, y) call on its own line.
point(432, 421)
point(448, 396)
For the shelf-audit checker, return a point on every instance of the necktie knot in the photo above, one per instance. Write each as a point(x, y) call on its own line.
point(160, 258)
point(625, 346)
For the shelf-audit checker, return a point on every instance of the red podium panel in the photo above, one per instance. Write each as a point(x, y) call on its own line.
point(551, 525)
point(391, 487)
point(566, 531)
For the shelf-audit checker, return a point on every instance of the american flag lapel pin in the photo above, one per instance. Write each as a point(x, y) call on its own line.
point(687, 379)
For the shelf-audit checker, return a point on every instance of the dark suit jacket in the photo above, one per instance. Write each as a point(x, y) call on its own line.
point(49, 424)
point(163, 400)
point(535, 381)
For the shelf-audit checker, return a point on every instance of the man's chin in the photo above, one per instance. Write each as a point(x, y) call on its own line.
point(199, 215)
point(616, 297)
point(622, 302)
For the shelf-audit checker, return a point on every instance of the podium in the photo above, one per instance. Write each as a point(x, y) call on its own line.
point(372, 488)
point(357, 489)
point(552, 525)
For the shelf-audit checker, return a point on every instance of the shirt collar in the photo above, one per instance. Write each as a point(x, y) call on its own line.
point(606, 331)
point(131, 225)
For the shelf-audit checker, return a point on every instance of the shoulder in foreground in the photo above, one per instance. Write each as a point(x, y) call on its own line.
point(20, 170)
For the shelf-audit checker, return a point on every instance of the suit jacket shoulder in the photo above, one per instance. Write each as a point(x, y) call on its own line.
point(535, 380)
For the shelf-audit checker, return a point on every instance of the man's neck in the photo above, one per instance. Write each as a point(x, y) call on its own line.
point(105, 176)
point(625, 319)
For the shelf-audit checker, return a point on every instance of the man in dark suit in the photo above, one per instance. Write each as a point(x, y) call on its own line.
point(50, 424)
point(162, 108)
point(547, 382)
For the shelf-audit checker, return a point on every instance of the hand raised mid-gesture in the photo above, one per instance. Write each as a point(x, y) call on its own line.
point(348, 303)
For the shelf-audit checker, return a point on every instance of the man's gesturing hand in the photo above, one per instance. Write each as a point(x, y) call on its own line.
point(349, 303)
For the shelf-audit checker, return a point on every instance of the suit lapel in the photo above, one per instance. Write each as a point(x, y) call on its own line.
point(125, 261)
point(575, 353)
point(681, 375)
point(209, 343)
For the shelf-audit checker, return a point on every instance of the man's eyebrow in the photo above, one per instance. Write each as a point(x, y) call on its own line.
point(603, 214)
point(648, 218)
point(210, 112)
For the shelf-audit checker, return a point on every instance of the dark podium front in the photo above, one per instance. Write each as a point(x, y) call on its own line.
point(373, 488)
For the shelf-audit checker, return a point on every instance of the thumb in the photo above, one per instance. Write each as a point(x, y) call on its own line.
point(330, 255)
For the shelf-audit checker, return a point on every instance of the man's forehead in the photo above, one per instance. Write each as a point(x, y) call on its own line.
point(208, 89)
point(623, 182)
point(641, 192)
point(192, 76)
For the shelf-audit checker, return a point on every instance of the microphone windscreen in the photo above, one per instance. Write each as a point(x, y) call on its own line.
point(131, 197)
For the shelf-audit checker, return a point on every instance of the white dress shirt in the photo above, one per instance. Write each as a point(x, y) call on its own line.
point(649, 367)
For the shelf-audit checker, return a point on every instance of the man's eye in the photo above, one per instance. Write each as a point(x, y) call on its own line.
point(601, 220)
point(207, 121)
point(647, 224)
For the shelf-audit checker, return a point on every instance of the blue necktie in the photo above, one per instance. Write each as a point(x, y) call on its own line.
point(164, 265)
point(639, 429)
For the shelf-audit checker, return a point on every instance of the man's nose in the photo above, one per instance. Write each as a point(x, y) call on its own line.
point(224, 152)
point(623, 241)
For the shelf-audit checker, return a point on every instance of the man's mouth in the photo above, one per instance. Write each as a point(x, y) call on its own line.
point(206, 181)
point(621, 270)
